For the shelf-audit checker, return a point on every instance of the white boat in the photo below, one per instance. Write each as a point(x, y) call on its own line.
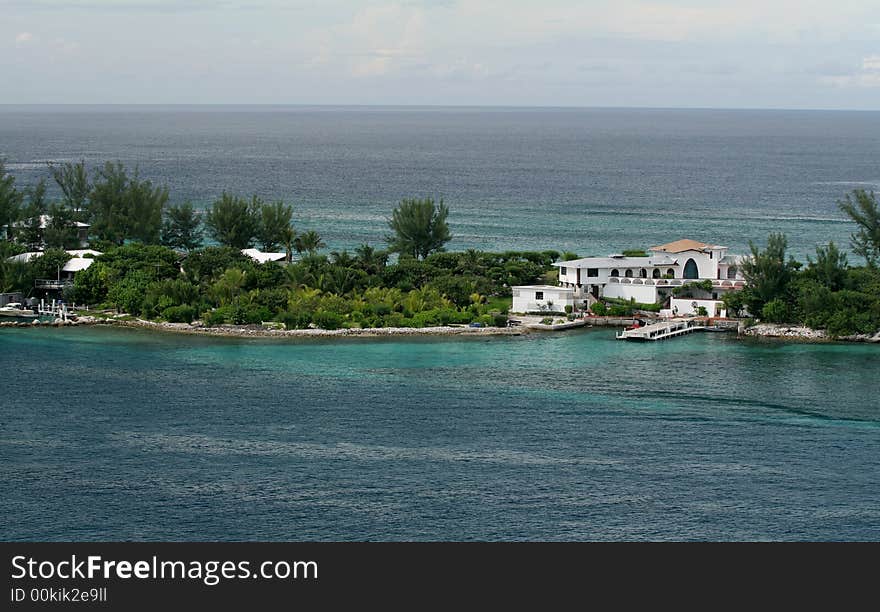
point(14, 310)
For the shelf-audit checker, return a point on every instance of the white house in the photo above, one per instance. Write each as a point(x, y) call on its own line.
point(262, 256)
point(541, 298)
point(80, 259)
point(652, 278)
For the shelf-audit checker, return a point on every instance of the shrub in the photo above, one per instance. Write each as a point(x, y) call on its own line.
point(218, 316)
point(568, 309)
point(295, 319)
point(547, 321)
point(499, 320)
point(179, 314)
point(702, 312)
point(599, 309)
point(328, 320)
point(775, 311)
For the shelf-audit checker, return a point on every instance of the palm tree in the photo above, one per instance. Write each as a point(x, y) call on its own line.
point(288, 240)
point(309, 242)
point(370, 260)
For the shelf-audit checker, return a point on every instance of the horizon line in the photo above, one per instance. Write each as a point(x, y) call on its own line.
point(6, 105)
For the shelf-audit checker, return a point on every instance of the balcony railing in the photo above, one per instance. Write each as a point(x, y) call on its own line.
point(51, 283)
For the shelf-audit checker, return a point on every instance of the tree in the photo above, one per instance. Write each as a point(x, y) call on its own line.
point(862, 208)
point(126, 208)
point(310, 242)
point(31, 231)
point(767, 272)
point(830, 266)
point(288, 241)
point(10, 197)
point(73, 180)
point(182, 227)
point(60, 230)
point(275, 219)
point(370, 260)
point(419, 227)
point(233, 221)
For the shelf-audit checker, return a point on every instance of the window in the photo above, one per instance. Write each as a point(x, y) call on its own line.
point(615, 272)
point(563, 271)
point(670, 273)
point(656, 273)
point(643, 273)
point(539, 295)
point(593, 272)
point(629, 274)
point(731, 272)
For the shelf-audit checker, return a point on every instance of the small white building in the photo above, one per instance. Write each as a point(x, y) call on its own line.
point(262, 256)
point(679, 307)
point(541, 298)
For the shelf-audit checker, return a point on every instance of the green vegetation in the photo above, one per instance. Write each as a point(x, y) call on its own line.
point(123, 207)
point(419, 228)
point(182, 227)
point(861, 207)
point(635, 253)
point(221, 286)
point(825, 294)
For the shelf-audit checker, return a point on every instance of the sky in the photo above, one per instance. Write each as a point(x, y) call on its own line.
point(630, 53)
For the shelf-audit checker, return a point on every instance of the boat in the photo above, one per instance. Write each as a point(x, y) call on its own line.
point(15, 311)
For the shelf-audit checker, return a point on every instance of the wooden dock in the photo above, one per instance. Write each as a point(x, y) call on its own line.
point(660, 331)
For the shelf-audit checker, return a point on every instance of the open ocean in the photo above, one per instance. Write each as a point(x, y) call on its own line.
point(109, 434)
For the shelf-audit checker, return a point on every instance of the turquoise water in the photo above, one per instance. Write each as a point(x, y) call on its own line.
point(123, 434)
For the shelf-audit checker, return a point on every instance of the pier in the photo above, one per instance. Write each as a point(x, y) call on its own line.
point(56, 309)
point(660, 331)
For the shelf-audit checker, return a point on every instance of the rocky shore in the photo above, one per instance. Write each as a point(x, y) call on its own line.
point(259, 331)
point(805, 334)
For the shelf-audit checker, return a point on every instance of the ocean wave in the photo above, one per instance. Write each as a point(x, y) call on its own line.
point(875, 183)
point(208, 445)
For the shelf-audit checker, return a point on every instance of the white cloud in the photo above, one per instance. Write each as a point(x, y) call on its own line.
point(871, 63)
point(23, 38)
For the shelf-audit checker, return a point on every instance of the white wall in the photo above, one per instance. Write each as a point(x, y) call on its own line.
point(646, 294)
point(685, 306)
point(524, 298)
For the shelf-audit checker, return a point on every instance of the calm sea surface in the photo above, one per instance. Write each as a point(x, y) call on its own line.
point(121, 434)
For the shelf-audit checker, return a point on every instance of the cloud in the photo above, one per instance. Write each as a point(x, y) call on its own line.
point(871, 63)
point(23, 38)
point(868, 76)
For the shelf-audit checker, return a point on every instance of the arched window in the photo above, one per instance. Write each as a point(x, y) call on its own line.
point(656, 273)
point(731, 272)
point(670, 273)
point(615, 272)
point(691, 270)
point(643, 273)
point(629, 274)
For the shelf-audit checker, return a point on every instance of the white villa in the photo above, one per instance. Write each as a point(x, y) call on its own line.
point(649, 280)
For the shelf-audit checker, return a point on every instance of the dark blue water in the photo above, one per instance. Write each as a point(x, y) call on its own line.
point(593, 181)
point(119, 434)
